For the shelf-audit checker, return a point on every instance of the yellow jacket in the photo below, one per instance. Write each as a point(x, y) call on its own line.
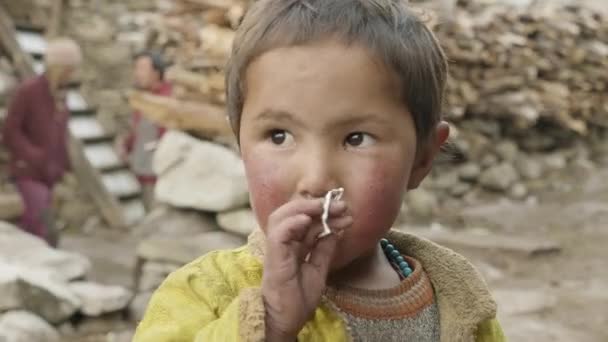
point(217, 298)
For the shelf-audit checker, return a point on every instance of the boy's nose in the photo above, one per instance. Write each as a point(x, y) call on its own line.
point(317, 175)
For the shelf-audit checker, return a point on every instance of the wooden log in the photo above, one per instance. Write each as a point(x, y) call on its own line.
point(204, 119)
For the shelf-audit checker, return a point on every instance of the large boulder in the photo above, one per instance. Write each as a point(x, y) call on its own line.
point(241, 222)
point(23, 326)
point(100, 299)
point(20, 248)
point(181, 250)
point(37, 291)
point(199, 174)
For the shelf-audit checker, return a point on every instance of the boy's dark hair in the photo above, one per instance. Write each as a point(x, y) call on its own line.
point(158, 63)
point(388, 28)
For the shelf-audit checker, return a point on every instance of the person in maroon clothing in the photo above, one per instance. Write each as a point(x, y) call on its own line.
point(35, 132)
point(139, 145)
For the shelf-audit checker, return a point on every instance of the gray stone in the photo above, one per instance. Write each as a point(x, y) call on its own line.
point(138, 306)
point(37, 291)
point(153, 274)
point(445, 181)
point(168, 221)
point(26, 250)
point(488, 161)
point(469, 172)
point(184, 163)
point(460, 189)
point(421, 203)
point(100, 299)
point(529, 167)
point(11, 206)
point(499, 177)
point(518, 191)
point(507, 150)
point(181, 250)
point(241, 222)
point(23, 326)
point(555, 161)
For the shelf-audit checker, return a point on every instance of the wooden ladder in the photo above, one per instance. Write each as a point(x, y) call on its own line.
point(95, 163)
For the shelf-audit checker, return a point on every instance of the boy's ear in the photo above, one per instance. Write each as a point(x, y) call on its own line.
point(426, 155)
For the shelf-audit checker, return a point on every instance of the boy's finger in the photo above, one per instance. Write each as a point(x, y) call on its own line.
point(322, 254)
point(278, 238)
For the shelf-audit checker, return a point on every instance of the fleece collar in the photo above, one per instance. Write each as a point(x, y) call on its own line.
point(462, 295)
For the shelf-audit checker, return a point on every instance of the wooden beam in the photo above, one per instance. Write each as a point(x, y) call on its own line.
point(22, 61)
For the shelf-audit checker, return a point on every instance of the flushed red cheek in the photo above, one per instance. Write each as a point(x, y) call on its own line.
point(266, 190)
point(376, 205)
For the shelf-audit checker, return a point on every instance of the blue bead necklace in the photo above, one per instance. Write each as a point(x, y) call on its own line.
point(395, 258)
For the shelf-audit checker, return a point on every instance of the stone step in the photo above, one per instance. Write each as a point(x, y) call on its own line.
point(87, 128)
point(75, 101)
point(121, 183)
point(32, 42)
point(103, 156)
point(134, 210)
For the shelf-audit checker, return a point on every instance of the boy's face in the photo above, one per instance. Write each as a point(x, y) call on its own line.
point(323, 116)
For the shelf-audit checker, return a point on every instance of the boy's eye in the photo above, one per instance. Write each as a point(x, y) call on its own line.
point(359, 139)
point(280, 137)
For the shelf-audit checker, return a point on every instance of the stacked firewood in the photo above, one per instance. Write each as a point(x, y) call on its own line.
point(520, 66)
point(548, 63)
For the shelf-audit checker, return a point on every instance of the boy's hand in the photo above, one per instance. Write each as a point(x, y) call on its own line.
point(291, 286)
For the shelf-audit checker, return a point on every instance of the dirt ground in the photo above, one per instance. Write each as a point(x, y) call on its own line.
point(560, 296)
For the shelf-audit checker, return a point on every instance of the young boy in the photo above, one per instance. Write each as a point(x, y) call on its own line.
point(324, 95)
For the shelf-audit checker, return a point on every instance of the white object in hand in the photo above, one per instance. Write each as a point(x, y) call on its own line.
point(332, 195)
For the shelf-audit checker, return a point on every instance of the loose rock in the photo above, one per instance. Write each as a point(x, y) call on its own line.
point(518, 191)
point(529, 168)
point(499, 177)
point(100, 299)
point(241, 222)
point(469, 172)
point(23, 326)
point(421, 203)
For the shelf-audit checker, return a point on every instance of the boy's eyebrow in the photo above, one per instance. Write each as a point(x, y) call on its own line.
point(363, 117)
point(277, 115)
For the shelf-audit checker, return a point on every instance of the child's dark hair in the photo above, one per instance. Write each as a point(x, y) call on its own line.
point(388, 28)
point(158, 63)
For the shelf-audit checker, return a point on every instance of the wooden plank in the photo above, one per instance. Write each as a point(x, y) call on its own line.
point(88, 178)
